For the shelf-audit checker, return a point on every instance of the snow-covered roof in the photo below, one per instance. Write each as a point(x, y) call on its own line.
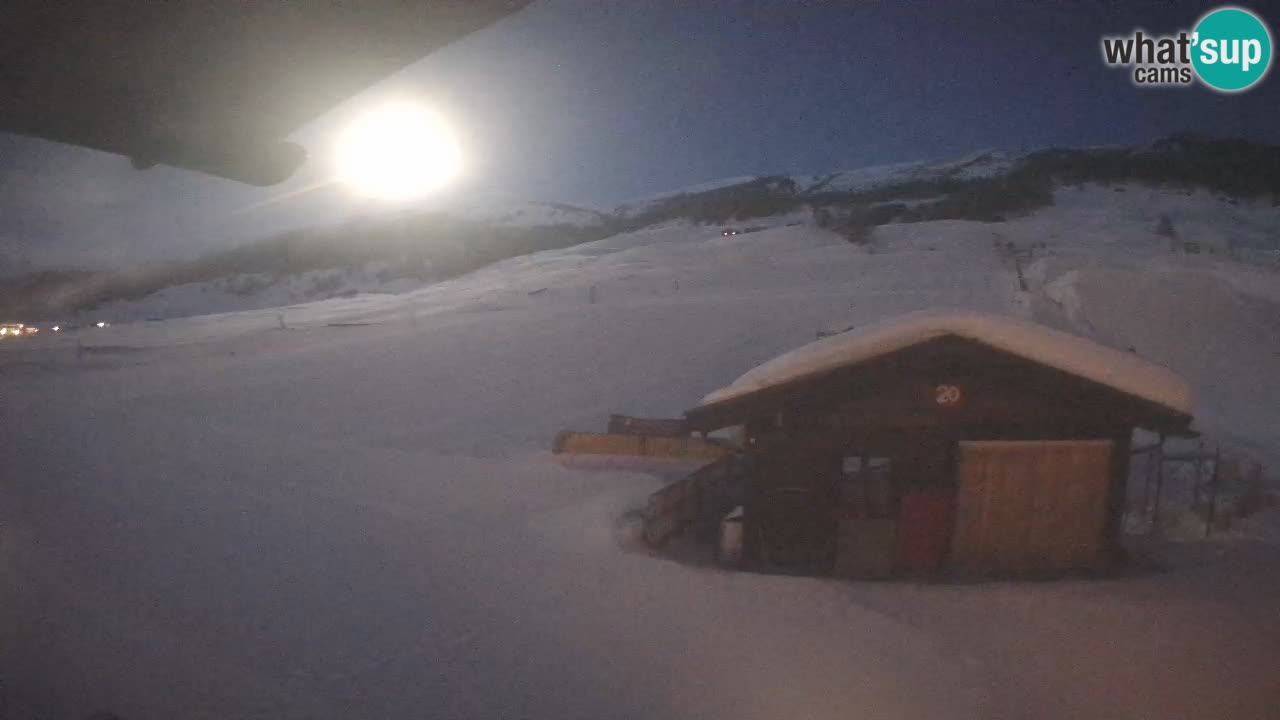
point(1122, 371)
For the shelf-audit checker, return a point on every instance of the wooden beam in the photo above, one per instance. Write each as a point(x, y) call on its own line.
point(652, 427)
point(584, 443)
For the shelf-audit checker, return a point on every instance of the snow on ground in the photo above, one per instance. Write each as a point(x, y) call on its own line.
point(250, 291)
point(357, 515)
point(1223, 340)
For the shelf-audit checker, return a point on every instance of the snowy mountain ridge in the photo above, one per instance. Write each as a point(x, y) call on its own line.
point(528, 214)
point(982, 164)
point(410, 248)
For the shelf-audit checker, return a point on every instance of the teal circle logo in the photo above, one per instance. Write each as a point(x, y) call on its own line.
point(1231, 49)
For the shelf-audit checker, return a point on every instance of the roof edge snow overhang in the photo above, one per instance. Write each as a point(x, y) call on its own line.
point(1156, 397)
point(767, 401)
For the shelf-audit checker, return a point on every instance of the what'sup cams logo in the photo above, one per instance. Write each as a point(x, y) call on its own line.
point(1229, 50)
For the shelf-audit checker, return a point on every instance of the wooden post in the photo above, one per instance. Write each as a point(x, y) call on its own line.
point(1148, 470)
point(1155, 509)
point(693, 501)
point(864, 478)
point(1195, 485)
point(1118, 490)
point(1213, 492)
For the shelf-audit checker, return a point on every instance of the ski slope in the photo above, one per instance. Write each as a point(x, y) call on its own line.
point(356, 514)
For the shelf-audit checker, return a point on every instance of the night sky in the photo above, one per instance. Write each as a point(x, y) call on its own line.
point(596, 103)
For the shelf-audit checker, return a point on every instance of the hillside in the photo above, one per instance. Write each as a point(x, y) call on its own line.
point(393, 253)
point(349, 503)
point(387, 253)
point(1188, 277)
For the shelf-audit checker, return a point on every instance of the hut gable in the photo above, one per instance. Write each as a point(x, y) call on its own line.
point(894, 371)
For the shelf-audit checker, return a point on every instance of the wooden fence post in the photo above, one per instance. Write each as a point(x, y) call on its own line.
point(1195, 486)
point(1213, 493)
point(1155, 509)
point(1148, 472)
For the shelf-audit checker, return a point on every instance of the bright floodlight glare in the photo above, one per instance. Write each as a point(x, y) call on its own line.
point(397, 153)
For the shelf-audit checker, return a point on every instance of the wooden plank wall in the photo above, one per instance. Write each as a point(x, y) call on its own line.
point(670, 509)
point(1025, 507)
point(702, 493)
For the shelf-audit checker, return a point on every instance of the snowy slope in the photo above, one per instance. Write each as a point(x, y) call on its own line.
point(356, 515)
point(984, 164)
point(453, 235)
point(640, 205)
point(528, 214)
point(249, 291)
point(1225, 340)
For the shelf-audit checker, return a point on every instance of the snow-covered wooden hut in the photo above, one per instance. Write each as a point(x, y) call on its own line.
point(942, 441)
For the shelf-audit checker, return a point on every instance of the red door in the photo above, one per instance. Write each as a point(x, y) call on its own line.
point(923, 528)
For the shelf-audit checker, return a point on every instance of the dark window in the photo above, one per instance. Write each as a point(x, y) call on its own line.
point(864, 489)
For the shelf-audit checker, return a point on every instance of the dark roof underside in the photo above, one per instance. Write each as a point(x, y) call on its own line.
point(208, 85)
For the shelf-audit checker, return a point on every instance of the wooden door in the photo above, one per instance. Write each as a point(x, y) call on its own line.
point(1030, 506)
point(788, 516)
